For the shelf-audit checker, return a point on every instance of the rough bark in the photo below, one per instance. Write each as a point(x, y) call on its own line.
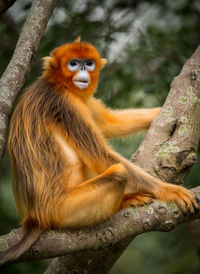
point(104, 258)
point(15, 75)
point(169, 149)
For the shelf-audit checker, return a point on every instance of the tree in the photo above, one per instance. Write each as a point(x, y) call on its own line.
point(171, 144)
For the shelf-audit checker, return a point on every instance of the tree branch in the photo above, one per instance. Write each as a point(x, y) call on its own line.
point(172, 140)
point(125, 224)
point(15, 75)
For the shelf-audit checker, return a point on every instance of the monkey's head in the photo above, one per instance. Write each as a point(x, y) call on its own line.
point(74, 67)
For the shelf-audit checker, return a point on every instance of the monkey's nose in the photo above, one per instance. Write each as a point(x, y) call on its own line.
point(82, 79)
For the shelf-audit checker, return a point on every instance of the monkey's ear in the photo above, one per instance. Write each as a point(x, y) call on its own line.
point(49, 61)
point(78, 39)
point(103, 62)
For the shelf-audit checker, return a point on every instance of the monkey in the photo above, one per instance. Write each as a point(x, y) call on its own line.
point(65, 175)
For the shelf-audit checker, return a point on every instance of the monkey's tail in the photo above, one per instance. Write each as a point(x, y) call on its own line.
point(15, 251)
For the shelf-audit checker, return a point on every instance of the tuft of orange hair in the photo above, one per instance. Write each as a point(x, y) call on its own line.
point(78, 39)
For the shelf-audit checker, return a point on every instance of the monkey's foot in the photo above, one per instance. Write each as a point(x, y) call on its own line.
point(135, 199)
point(184, 198)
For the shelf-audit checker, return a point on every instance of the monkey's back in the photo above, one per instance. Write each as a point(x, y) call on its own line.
point(36, 160)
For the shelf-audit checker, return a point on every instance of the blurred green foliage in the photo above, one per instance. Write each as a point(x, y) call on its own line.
point(146, 43)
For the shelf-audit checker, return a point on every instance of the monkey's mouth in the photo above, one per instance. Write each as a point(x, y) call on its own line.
point(82, 84)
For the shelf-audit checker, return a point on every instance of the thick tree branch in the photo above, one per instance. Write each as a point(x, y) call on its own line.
point(126, 224)
point(83, 261)
point(15, 75)
point(172, 140)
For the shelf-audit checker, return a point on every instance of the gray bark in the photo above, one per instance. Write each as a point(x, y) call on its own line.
point(169, 149)
point(16, 73)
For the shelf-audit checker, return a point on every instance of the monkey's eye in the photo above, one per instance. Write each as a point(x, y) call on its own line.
point(73, 65)
point(90, 65)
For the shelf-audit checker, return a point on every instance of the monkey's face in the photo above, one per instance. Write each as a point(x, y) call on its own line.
point(82, 69)
point(75, 67)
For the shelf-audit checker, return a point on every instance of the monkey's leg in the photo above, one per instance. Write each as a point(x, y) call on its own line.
point(96, 199)
point(143, 183)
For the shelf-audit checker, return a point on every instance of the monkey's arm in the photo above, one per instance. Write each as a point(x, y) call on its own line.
point(115, 123)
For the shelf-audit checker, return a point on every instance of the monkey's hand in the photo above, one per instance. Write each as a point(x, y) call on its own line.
point(154, 113)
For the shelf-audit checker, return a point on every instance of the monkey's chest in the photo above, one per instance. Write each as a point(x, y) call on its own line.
point(68, 152)
point(75, 170)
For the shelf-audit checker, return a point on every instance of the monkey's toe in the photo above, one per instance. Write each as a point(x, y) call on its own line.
point(136, 200)
point(185, 200)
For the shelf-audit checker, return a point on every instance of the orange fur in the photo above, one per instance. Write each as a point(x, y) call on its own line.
point(64, 172)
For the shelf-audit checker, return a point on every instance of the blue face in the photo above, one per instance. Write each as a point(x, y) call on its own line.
point(77, 64)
